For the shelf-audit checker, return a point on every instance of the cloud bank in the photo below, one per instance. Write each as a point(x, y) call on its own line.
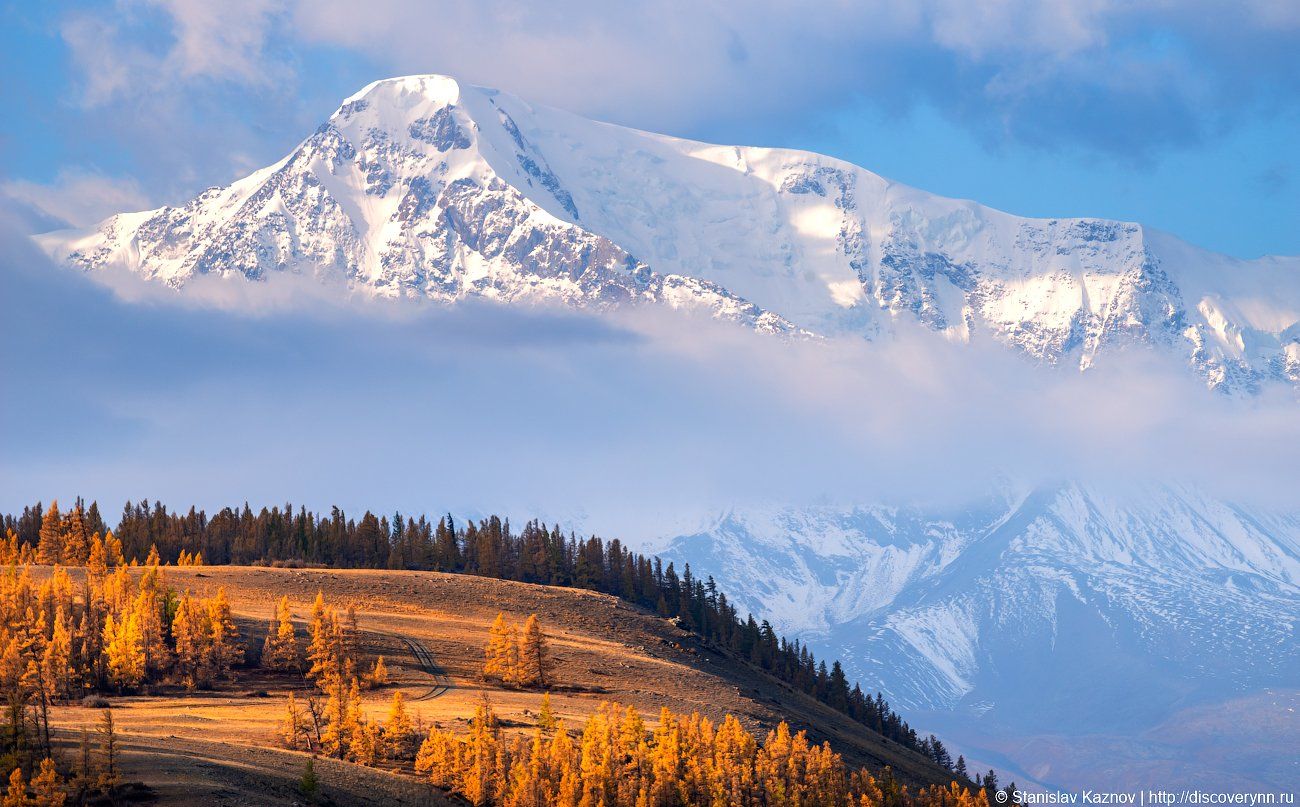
point(631, 425)
point(1120, 78)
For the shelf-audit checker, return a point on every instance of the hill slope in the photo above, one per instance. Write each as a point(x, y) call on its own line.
point(601, 647)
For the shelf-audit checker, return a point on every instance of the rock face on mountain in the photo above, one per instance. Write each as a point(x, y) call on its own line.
point(425, 187)
point(928, 601)
point(1065, 611)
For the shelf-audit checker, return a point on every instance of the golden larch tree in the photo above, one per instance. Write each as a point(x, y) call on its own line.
point(224, 649)
point(532, 653)
point(280, 651)
point(49, 546)
point(123, 650)
point(47, 786)
point(398, 728)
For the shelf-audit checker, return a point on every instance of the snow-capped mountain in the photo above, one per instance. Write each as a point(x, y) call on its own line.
point(1065, 610)
point(426, 187)
point(1184, 570)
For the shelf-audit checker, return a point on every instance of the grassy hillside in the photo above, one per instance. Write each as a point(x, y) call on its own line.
point(431, 628)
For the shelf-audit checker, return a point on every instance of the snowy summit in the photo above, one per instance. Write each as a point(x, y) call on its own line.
point(427, 187)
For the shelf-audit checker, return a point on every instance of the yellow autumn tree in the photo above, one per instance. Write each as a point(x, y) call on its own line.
point(545, 715)
point(399, 731)
point(224, 649)
point(16, 795)
point(293, 728)
point(532, 653)
point(124, 651)
point(191, 634)
point(378, 675)
point(325, 651)
point(280, 650)
point(56, 661)
point(497, 651)
point(47, 786)
point(96, 559)
point(687, 759)
point(49, 545)
point(113, 550)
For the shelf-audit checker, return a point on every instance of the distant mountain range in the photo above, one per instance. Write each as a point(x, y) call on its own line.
point(426, 187)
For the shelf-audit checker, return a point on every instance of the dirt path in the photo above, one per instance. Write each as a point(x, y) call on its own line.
point(441, 683)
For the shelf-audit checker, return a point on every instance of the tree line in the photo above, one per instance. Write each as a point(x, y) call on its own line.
point(616, 759)
point(489, 547)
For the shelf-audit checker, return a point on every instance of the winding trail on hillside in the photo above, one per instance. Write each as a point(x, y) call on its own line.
point(426, 664)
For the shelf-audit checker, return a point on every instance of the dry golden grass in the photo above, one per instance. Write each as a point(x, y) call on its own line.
point(217, 747)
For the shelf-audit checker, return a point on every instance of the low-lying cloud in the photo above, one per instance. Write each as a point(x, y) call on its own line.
point(632, 424)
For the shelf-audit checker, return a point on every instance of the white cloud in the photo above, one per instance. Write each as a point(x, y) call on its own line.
point(76, 198)
point(1016, 66)
point(1127, 78)
point(123, 54)
point(225, 39)
point(647, 415)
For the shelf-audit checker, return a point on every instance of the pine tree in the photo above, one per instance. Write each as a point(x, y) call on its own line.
point(309, 786)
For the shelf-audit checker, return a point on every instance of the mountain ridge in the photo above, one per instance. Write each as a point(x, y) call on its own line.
point(427, 187)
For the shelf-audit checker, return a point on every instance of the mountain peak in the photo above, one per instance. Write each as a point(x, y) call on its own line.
point(405, 92)
point(422, 186)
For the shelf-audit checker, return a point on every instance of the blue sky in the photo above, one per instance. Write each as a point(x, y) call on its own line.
point(1183, 116)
